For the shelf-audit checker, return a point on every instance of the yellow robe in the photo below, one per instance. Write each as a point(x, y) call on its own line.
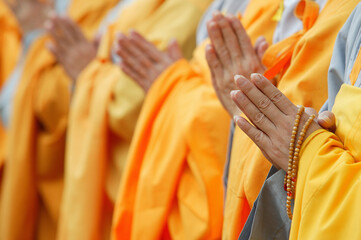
point(304, 82)
point(104, 111)
point(328, 182)
point(172, 184)
point(33, 176)
point(10, 42)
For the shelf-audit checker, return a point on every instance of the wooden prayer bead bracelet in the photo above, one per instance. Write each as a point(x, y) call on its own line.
point(293, 157)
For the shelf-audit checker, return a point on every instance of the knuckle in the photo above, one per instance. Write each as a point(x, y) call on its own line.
point(258, 137)
point(259, 118)
point(276, 97)
point(264, 103)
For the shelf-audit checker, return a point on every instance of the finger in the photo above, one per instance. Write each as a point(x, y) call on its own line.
point(132, 73)
point(243, 38)
point(132, 49)
point(260, 47)
point(53, 49)
point(257, 136)
point(327, 120)
point(220, 48)
point(63, 31)
point(275, 95)
point(58, 40)
point(146, 47)
point(229, 37)
point(73, 29)
point(258, 118)
point(174, 51)
point(214, 65)
point(131, 60)
point(259, 99)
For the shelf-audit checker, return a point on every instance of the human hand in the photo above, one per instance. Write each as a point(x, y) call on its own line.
point(231, 53)
point(30, 14)
point(70, 47)
point(272, 115)
point(142, 61)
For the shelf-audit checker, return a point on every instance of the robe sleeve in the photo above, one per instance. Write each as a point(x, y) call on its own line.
point(52, 115)
point(328, 190)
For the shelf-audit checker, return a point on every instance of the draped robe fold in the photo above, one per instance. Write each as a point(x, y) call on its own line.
point(172, 184)
point(105, 108)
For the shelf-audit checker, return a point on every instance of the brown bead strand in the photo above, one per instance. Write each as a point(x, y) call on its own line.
point(287, 181)
point(295, 162)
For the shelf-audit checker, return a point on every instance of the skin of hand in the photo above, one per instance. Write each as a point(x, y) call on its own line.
point(272, 116)
point(231, 53)
point(70, 47)
point(30, 14)
point(141, 60)
point(327, 120)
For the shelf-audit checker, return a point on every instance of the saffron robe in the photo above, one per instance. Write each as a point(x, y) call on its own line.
point(328, 182)
point(303, 82)
point(33, 176)
point(174, 170)
point(10, 40)
point(105, 108)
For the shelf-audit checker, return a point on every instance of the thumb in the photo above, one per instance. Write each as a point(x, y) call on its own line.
point(327, 120)
point(174, 51)
point(261, 46)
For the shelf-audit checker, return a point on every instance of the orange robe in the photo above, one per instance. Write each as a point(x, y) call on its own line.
point(303, 82)
point(172, 184)
point(104, 112)
point(10, 42)
point(33, 176)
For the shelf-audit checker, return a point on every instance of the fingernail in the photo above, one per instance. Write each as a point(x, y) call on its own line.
point(326, 119)
point(233, 93)
point(212, 24)
point(256, 77)
point(240, 80)
point(131, 32)
point(216, 13)
point(236, 118)
point(121, 36)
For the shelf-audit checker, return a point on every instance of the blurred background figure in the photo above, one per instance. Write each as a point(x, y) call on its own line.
point(34, 109)
point(105, 107)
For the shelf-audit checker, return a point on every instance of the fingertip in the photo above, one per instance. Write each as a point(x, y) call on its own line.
point(233, 94)
point(256, 77)
point(216, 13)
point(239, 80)
point(236, 119)
point(209, 48)
point(131, 32)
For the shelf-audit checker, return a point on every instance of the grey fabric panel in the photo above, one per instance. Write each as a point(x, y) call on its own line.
point(246, 233)
point(345, 52)
point(229, 152)
point(268, 218)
